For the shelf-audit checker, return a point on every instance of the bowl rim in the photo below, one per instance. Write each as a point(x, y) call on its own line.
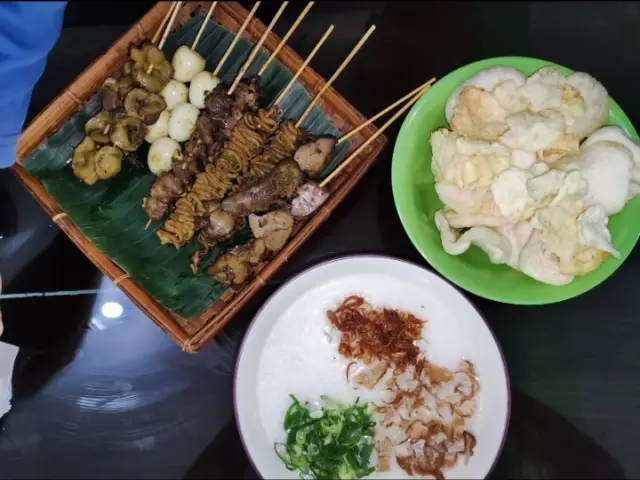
point(376, 256)
point(401, 206)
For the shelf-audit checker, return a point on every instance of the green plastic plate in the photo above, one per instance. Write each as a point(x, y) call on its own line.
point(416, 201)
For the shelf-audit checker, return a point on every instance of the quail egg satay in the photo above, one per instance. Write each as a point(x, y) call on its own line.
point(202, 84)
point(187, 63)
point(162, 153)
point(159, 129)
point(174, 93)
point(182, 121)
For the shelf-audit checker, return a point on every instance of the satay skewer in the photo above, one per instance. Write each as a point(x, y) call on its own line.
point(166, 235)
point(286, 38)
point(256, 48)
point(303, 66)
point(279, 47)
point(236, 38)
point(415, 94)
point(170, 25)
point(173, 8)
point(281, 144)
point(342, 66)
point(366, 143)
point(156, 36)
point(203, 26)
point(176, 7)
point(221, 63)
point(346, 136)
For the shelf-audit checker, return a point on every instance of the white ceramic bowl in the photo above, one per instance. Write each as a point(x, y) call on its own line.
point(454, 330)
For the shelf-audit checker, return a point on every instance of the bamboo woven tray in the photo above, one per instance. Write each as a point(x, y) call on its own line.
point(191, 334)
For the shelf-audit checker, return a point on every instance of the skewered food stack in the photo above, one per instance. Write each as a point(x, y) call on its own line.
point(221, 110)
point(282, 144)
point(271, 196)
point(282, 197)
point(242, 135)
point(148, 102)
point(238, 165)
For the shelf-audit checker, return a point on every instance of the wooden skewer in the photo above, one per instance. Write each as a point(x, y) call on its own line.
point(236, 38)
point(173, 9)
point(203, 26)
point(170, 25)
point(303, 66)
point(286, 37)
point(346, 61)
point(366, 143)
point(156, 36)
point(390, 107)
point(256, 49)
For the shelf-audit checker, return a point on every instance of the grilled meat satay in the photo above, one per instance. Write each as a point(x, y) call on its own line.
point(271, 230)
point(312, 154)
point(273, 227)
point(281, 183)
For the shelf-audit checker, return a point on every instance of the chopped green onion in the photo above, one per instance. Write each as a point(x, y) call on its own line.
point(336, 442)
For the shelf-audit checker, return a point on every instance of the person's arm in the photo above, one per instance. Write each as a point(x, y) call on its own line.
point(28, 32)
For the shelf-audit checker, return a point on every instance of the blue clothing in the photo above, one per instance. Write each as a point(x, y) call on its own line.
point(28, 32)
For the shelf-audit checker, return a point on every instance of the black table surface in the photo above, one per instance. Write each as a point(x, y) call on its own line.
point(100, 397)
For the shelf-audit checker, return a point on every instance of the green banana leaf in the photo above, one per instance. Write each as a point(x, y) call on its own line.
point(110, 212)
